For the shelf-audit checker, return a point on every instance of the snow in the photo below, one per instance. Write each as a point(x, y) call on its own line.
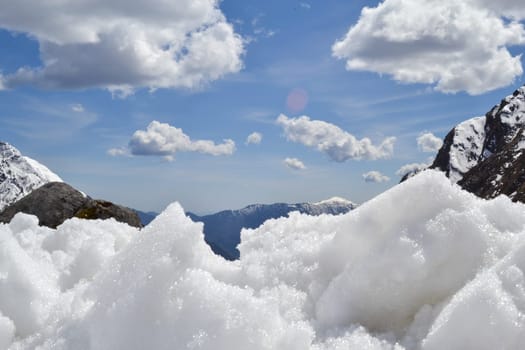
point(467, 147)
point(335, 200)
point(19, 175)
point(43, 170)
point(513, 113)
point(424, 265)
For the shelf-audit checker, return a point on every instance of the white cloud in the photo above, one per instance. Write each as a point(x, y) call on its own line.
point(428, 142)
point(456, 45)
point(161, 139)
point(122, 46)
point(305, 5)
point(77, 108)
point(254, 138)
point(375, 176)
point(412, 167)
point(508, 8)
point(294, 163)
point(120, 151)
point(328, 138)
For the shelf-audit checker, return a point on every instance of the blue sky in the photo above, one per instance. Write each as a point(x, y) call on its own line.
point(72, 93)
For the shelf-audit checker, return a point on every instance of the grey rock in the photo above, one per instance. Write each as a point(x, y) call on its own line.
point(55, 202)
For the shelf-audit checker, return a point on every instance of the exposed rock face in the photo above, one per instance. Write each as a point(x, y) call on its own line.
point(485, 155)
point(501, 173)
point(462, 148)
point(55, 202)
point(222, 231)
point(19, 175)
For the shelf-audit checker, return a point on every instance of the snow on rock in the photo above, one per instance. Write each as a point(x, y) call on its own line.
point(467, 147)
point(424, 265)
point(479, 140)
point(19, 175)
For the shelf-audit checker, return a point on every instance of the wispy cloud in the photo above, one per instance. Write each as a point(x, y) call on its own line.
point(47, 120)
point(305, 5)
point(77, 107)
point(258, 30)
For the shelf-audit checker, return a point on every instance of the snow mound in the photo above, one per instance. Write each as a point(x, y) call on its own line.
point(422, 266)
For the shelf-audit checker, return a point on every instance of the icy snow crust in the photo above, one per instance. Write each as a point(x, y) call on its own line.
point(425, 265)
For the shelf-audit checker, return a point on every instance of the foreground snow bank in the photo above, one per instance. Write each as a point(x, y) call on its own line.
point(424, 265)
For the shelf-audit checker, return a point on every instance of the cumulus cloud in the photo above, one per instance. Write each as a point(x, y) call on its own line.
point(411, 168)
point(375, 176)
point(459, 46)
point(428, 142)
point(254, 138)
point(122, 46)
point(294, 163)
point(328, 138)
point(162, 139)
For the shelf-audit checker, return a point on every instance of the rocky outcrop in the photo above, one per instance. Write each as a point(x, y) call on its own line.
point(55, 202)
point(19, 175)
point(501, 173)
point(486, 155)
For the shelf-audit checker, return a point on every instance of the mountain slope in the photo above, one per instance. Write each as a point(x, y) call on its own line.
point(222, 230)
point(19, 175)
point(486, 155)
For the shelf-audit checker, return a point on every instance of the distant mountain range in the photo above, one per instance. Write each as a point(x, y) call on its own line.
point(222, 230)
point(30, 187)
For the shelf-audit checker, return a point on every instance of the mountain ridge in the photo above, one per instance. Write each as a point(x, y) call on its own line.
point(222, 229)
point(486, 155)
point(20, 175)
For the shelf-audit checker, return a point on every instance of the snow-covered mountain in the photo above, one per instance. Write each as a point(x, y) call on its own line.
point(19, 175)
point(222, 230)
point(486, 155)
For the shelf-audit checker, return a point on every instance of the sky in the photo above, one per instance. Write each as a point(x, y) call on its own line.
point(221, 104)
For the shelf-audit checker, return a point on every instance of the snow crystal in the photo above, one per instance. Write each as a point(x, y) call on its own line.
point(424, 265)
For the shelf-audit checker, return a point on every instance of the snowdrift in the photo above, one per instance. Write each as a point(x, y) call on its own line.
point(422, 266)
